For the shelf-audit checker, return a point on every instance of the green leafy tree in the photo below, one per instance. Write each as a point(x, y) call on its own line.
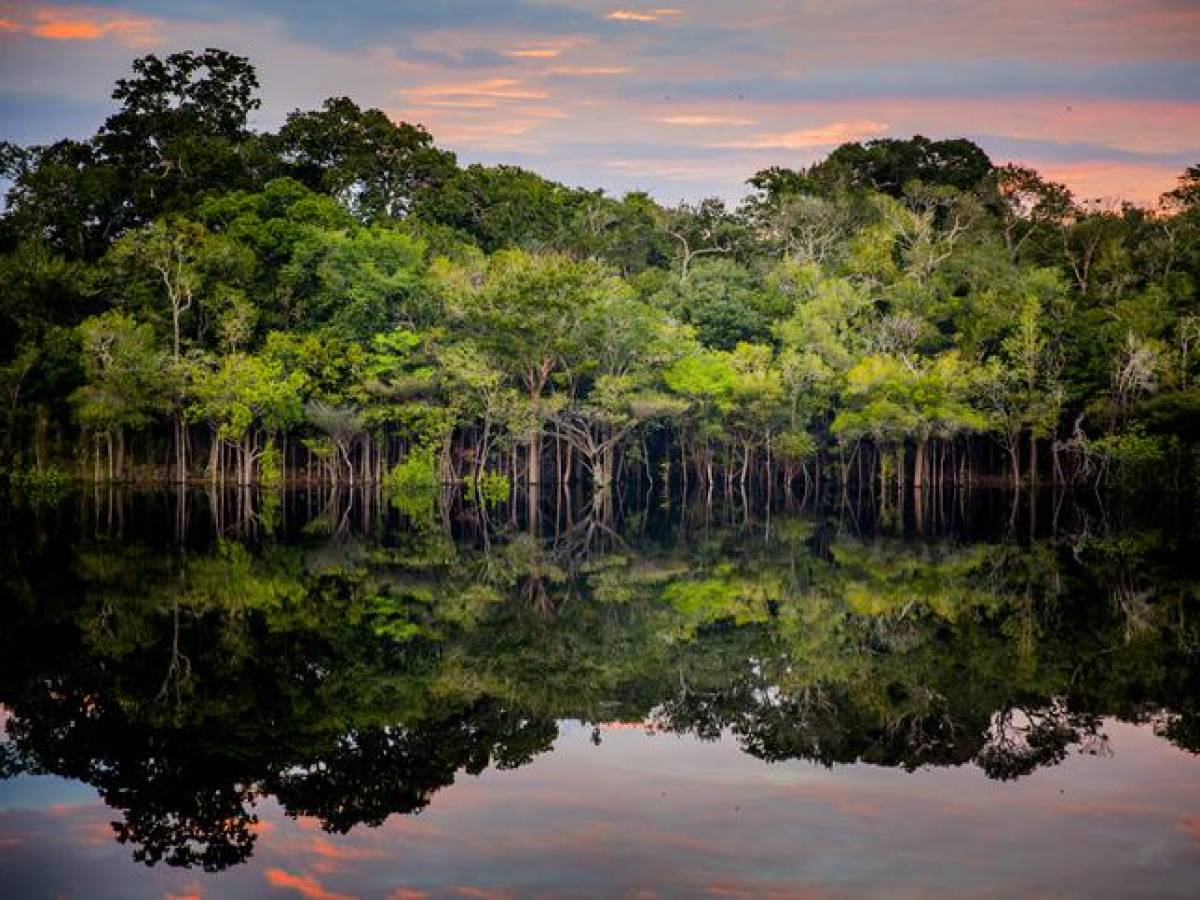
point(377, 167)
point(127, 383)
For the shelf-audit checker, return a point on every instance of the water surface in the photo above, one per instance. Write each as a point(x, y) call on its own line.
point(319, 697)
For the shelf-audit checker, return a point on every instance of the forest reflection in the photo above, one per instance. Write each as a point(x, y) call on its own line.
point(188, 654)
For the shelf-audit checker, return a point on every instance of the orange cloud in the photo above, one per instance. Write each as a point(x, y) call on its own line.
point(821, 136)
point(589, 70)
point(536, 53)
point(463, 103)
point(304, 885)
point(404, 893)
point(699, 121)
point(96, 834)
point(651, 15)
point(330, 850)
point(78, 23)
point(494, 88)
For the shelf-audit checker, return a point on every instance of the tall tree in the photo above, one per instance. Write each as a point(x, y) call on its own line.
point(377, 167)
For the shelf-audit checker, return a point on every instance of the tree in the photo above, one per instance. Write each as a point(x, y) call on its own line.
point(181, 130)
point(700, 230)
point(358, 283)
point(892, 402)
point(246, 400)
point(888, 165)
point(343, 425)
point(626, 343)
point(723, 301)
point(707, 380)
point(1187, 193)
point(809, 228)
point(622, 232)
point(378, 168)
point(127, 383)
point(525, 310)
point(757, 407)
point(504, 207)
point(1027, 204)
point(179, 261)
point(1021, 388)
point(64, 194)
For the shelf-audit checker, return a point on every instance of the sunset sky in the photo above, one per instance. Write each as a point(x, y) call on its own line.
point(684, 100)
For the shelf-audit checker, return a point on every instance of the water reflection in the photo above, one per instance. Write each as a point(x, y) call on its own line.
point(199, 659)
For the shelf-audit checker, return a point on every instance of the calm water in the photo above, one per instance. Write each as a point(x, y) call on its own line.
point(320, 698)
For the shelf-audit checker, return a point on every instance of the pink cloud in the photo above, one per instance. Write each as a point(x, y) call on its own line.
point(493, 88)
point(1141, 183)
point(701, 121)
point(536, 53)
point(827, 135)
point(650, 15)
point(589, 70)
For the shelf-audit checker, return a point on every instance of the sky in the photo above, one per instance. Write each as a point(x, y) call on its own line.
point(684, 100)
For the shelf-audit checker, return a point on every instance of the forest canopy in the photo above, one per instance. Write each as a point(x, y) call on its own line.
point(184, 297)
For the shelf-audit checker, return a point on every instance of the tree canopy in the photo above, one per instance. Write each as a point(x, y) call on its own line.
point(905, 304)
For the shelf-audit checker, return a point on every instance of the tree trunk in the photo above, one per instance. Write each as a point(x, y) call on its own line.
point(919, 464)
point(534, 463)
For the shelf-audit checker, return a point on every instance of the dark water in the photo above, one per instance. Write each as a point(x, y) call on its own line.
point(323, 699)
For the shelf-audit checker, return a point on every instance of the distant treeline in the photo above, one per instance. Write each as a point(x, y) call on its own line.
point(186, 299)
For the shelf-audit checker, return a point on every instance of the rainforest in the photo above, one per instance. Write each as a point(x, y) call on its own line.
point(375, 524)
point(187, 300)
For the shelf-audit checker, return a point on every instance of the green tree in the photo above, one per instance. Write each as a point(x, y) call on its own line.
point(181, 131)
point(127, 383)
point(376, 167)
point(246, 401)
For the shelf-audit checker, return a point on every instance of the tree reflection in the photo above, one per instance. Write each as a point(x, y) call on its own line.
point(373, 773)
point(353, 675)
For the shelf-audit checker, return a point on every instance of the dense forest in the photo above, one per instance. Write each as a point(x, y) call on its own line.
point(185, 298)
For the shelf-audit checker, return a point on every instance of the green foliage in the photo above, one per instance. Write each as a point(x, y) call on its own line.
point(493, 488)
point(127, 376)
point(37, 487)
point(243, 392)
point(795, 446)
point(888, 165)
point(412, 486)
point(891, 401)
point(343, 282)
point(377, 167)
point(1133, 457)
